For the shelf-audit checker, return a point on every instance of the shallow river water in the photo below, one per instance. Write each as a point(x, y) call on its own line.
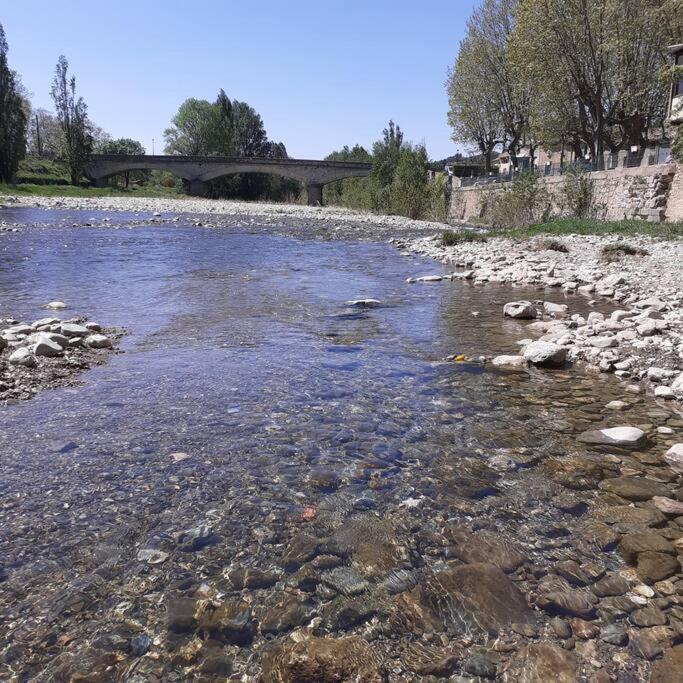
point(263, 459)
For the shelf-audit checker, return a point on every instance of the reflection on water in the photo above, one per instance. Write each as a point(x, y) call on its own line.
point(252, 403)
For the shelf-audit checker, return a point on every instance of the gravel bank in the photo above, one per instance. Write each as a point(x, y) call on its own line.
point(641, 341)
point(330, 222)
point(49, 353)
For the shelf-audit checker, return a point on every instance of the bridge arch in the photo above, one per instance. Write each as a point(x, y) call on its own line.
point(198, 171)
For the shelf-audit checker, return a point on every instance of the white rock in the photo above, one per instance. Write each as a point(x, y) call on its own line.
point(98, 341)
point(664, 392)
point(47, 348)
point(44, 321)
point(627, 436)
point(674, 457)
point(429, 278)
point(555, 309)
point(361, 303)
point(545, 354)
point(522, 310)
point(602, 342)
point(677, 385)
point(73, 330)
point(509, 362)
point(56, 305)
point(617, 405)
point(22, 356)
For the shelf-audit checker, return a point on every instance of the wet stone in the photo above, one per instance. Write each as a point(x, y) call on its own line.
point(611, 585)
point(344, 614)
point(541, 663)
point(229, 621)
point(634, 488)
point(631, 545)
point(286, 614)
point(345, 580)
point(482, 664)
point(560, 627)
point(576, 574)
point(487, 547)
point(644, 645)
point(629, 514)
point(648, 616)
point(324, 660)
point(180, 614)
point(140, 644)
point(251, 578)
point(614, 634)
point(653, 567)
point(669, 669)
point(301, 549)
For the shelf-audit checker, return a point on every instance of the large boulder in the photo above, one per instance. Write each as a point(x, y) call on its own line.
point(48, 348)
point(545, 354)
point(475, 597)
point(674, 458)
point(322, 660)
point(625, 437)
point(73, 330)
point(23, 356)
point(522, 310)
point(98, 341)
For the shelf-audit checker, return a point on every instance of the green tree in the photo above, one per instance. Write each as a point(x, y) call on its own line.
point(592, 67)
point(45, 135)
point(410, 186)
point(385, 157)
point(12, 117)
point(194, 130)
point(473, 113)
point(125, 146)
point(72, 115)
point(351, 192)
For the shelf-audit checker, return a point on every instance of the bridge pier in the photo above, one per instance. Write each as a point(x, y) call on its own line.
point(314, 192)
point(198, 188)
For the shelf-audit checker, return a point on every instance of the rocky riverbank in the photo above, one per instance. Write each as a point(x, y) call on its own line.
point(293, 219)
point(49, 352)
point(641, 341)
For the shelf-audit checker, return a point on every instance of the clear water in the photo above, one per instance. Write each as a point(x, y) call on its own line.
point(243, 354)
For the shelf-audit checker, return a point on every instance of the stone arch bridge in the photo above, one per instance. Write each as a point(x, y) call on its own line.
point(197, 171)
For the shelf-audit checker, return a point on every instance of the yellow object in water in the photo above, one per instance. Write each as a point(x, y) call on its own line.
point(459, 359)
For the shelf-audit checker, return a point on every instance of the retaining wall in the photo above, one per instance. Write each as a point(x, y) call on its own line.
point(652, 193)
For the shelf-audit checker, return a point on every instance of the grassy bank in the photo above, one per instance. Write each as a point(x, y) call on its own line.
point(30, 190)
point(570, 226)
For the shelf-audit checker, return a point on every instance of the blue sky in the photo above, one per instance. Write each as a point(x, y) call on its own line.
point(321, 74)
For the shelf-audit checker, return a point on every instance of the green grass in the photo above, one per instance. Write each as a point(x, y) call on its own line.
point(575, 226)
point(73, 191)
point(42, 171)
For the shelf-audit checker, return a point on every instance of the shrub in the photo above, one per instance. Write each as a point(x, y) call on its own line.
point(450, 238)
point(613, 252)
point(524, 202)
point(551, 245)
point(577, 190)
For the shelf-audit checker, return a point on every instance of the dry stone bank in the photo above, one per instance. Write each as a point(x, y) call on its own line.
point(653, 193)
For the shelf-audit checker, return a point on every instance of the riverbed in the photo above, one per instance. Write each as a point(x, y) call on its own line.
point(267, 465)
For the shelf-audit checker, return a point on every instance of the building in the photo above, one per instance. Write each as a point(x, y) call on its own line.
point(676, 99)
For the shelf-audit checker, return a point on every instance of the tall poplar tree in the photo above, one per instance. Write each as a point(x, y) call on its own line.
point(72, 114)
point(12, 117)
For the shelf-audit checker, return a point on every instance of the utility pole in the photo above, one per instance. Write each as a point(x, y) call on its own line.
point(152, 146)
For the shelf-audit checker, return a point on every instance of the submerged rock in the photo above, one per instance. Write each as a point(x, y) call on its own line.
point(522, 310)
point(322, 660)
point(614, 436)
point(545, 354)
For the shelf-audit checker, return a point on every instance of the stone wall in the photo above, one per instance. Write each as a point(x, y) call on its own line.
point(653, 193)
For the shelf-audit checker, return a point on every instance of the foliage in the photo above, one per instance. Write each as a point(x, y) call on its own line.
point(42, 171)
point(351, 192)
point(409, 190)
point(523, 202)
point(13, 117)
point(677, 146)
point(72, 115)
point(592, 67)
point(575, 226)
point(233, 129)
point(125, 146)
point(45, 135)
point(577, 191)
point(485, 73)
point(399, 183)
point(614, 252)
point(449, 238)
point(65, 190)
point(473, 112)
